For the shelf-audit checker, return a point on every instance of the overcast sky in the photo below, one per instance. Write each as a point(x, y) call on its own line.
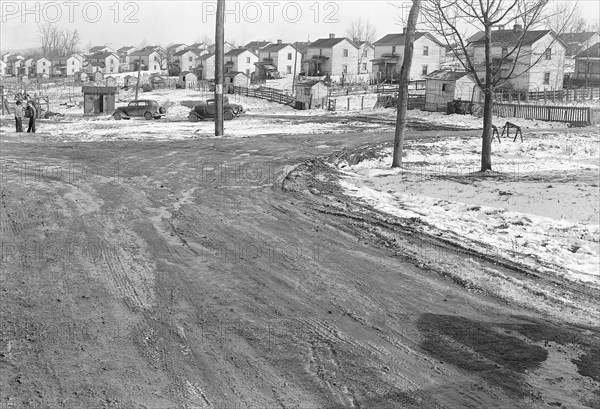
point(163, 22)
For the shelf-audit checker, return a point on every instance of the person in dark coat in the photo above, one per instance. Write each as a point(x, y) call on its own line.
point(31, 113)
point(19, 114)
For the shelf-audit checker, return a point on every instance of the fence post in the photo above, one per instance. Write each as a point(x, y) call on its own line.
point(362, 103)
point(348, 105)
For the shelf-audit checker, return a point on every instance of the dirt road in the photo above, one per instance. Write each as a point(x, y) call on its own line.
point(203, 274)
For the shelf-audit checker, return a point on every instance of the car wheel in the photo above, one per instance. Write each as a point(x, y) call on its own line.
point(192, 118)
point(117, 116)
point(148, 116)
point(228, 115)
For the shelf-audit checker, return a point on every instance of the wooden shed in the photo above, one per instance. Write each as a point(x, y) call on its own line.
point(98, 100)
point(111, 81)
point(81, 76)
point(443, 86)
point(96, 76)
point(186, 78)
point(311, 92)
point(235, 79)
point(130, 80)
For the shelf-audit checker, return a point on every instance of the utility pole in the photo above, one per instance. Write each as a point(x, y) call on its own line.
point(137, 84)
point(219, 56)
point(295, 64)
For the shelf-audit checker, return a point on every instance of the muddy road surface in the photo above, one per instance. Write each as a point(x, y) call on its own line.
point(216, 273)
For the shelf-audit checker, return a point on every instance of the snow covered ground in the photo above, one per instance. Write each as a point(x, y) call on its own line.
point(540, 207)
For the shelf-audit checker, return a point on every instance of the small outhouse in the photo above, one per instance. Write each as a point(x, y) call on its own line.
point(310, 93)
point(98, 100)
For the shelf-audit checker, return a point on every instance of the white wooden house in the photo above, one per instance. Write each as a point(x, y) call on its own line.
point(443, 86)
point(540, 62)
point(235, 79)
point(206, 66)
point(65, 65)
point(105, 62)
point(240, 60)
point(43, 66)
point(331, 56)
point(124, 54)
point(278, 60)
point(587, 64)
point(187, 79)
point(151, 59)
point(389, 53)
point(186, 59)
point(366, 53)
point(173, 48)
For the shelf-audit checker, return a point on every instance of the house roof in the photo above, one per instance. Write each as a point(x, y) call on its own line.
point(257, 44)
point(400, 38)
point(446, 75)
point(206, 56)
point(592, 52)
point(143, 53)
point(308, 83)
point(576, 37)
point(511, 36)
point(329, 42)
point(101, 55)
point(126, 48)
point(301, 45)
point(175, 46)
point(197, 45)
point(234, 73)
point(273, 48)
point(238, 51)
point(182, 52)
point(98, 64)
point(186, 73)
point(97, 48)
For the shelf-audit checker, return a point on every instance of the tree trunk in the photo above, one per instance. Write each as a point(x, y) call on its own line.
point(488, 92)
point(403, 85)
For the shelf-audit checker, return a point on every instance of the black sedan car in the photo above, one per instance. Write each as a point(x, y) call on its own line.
point(207, 110)
point(147, 108)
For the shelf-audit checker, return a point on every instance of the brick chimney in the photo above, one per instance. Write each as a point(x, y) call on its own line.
point(331, 35)
point(279, 41)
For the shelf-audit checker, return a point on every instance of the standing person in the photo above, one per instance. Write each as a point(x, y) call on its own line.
point(19, 113)
point(30, 113)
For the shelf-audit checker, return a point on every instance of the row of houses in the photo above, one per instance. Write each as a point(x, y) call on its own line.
point(543, 61)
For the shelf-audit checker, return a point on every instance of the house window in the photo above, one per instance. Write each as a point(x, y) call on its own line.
point(111, 69)
point(248, 72)
point(365, 52)
point(72, 62)
point(155, 58)
point(289, 69)
point(424, 70)
point(191, 59)
point(425, 50)
point(393, 49)
point(546, 78)
point(44, 63)
point(345, 52)
point(364, 66)
point(247, 60)
point(443, 87)
point(289, 56)
point(306, 91)
point(344, 69)
point(548, 54)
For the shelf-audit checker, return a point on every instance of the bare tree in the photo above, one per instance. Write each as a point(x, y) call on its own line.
point(55, 41)
point(361, 30)
point(503, 53)
point(207, 39)
point(404, 79)
point(564, 17)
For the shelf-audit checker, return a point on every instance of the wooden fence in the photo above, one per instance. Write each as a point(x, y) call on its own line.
point(563, 95)
point(572, 114)
point(268, 94)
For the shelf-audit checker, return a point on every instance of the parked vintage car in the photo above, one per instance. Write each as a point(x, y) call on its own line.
point(207, 110)
point(142, 107)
